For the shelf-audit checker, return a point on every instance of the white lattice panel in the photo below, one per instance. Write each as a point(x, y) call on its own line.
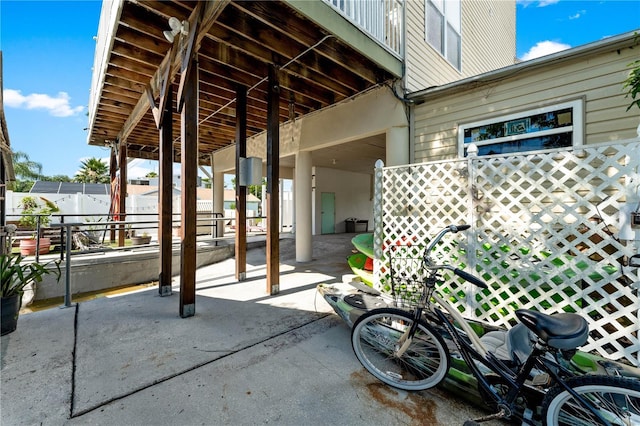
point(544, 234)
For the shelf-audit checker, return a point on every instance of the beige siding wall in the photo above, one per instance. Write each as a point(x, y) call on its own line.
point(488, 35)
point(596, 79)
point(488, 43)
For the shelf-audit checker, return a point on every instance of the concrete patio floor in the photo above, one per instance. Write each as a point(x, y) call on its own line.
point(245, 358)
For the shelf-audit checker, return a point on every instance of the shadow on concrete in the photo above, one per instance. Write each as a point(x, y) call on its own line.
point(244, 358)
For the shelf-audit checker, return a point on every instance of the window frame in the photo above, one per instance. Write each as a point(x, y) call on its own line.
point(576, 128)
point(443, 30)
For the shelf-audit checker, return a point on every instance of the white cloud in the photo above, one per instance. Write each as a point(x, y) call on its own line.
point(138, 168)
point(543, 48)
point(577, 15)
point(540, 3)
point(57, 106)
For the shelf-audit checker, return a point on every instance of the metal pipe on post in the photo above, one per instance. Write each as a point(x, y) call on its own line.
point(122, 188)
point(67, 268)
point(62, 243)
point(165, 199)
point(38, 239)
point(241, 188)
point(189, 164)
point(273, 178)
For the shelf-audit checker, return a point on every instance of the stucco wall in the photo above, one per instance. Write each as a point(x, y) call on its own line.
point(353, 196)
point(102, 272)
point(369, 114)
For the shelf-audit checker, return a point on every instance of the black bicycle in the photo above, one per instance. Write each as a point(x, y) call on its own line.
point(521, 375)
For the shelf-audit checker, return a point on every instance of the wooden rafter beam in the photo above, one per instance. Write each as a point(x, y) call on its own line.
point(279, 20)
point(211, 11)
point(187, 56)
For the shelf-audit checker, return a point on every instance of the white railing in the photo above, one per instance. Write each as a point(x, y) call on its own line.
point(381, 19)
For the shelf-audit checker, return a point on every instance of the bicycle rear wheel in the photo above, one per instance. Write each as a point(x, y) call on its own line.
point(616, 400)
point(375, 338)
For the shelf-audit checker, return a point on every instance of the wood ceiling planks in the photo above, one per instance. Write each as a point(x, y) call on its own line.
point(244, 38)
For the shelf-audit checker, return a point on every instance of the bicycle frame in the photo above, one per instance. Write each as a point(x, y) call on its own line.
point(475, 351)
point(546, 379)
point(515, 380)
point(472, 350)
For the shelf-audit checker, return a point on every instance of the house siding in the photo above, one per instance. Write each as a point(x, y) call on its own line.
point(488, 42)
point(597, 79)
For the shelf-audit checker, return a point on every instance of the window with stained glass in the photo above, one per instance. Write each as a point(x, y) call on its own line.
point(558, 126)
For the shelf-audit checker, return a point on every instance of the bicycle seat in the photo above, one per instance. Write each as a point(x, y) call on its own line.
point(560, 331)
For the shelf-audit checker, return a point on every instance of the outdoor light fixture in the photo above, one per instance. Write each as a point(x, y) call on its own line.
point(177, 27)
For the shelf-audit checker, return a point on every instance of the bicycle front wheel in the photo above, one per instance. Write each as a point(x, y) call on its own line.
point(615, 399)
point(375, 337)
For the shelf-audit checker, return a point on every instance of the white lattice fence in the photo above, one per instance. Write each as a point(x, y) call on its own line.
point(544, 234)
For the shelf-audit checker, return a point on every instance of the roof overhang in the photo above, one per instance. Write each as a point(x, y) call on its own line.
point(236, 42)
point(621, 41)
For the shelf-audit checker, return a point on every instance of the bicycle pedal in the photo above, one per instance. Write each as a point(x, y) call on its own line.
point(476, 422)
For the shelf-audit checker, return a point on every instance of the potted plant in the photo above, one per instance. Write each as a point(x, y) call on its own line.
point(142, 239)
point(15, 275)
point(32, 210)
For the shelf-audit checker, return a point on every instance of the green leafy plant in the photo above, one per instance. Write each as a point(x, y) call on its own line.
point(632, 83)
point(31, 207)
point(15, 274)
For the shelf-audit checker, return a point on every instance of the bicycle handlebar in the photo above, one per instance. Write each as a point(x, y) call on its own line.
point(459, 272)
point(451, 228)
point(471, 278)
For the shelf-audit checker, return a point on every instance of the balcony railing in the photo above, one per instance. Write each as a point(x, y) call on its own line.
point(381, 19)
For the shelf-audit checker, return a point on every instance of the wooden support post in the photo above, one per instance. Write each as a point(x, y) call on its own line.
point(273, 178)
point(113, 168)
point(122, 210)
point(165, 207)
point(241, 191)
point(189, 166)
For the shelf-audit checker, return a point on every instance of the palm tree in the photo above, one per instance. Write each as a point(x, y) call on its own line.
point(93, 170)
point(26, 171)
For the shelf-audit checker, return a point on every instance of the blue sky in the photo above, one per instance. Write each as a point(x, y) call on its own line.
point(48, 50)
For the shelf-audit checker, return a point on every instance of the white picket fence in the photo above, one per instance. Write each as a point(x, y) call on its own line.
point(549, 231)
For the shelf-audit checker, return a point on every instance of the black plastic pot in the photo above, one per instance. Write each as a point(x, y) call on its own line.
point(10, 309)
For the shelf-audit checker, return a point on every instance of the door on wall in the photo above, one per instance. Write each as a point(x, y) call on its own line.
point(328, 213)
